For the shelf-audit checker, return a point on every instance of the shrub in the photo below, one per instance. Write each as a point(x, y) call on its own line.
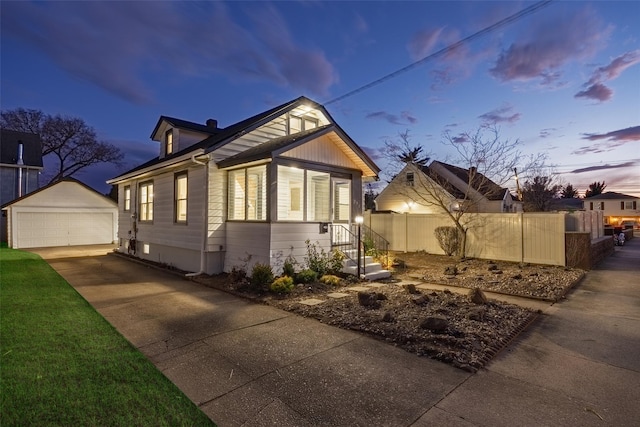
point(448, 239)
point(261, 276)
point(282, 285)
point(238, 275)
point(306, 276)
point(330, 279)
point(289, 269)
point(321, 262)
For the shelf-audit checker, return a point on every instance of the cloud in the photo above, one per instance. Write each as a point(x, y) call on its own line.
point(114, 45)
point(604, 167)
point(626, 134)
point(405, 118)
point(460, 139)
point(423, 43)
point(610, 140)
point(549, 45)
point(595, 89)
point(500, 115)
point(545, 133)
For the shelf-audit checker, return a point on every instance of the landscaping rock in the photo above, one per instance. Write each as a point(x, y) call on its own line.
point(411, 288)
point(477, 296)
point(437, 324)
point(451, 270)
point(492, 267)
point(380, 296)
point(388, 317)
point(421, 300)
point(369, 300)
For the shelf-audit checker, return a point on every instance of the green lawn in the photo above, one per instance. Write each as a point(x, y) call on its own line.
point(61, 363)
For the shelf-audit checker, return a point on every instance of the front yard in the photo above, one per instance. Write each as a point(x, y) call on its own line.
point(64, 364)
point(448, 325)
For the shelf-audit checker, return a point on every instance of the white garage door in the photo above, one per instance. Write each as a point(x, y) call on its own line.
point(42, 229)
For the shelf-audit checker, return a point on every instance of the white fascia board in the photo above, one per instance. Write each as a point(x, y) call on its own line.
point(176, 161)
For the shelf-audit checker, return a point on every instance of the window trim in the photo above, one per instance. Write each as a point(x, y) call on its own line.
point(176, 177)
point(303, 122)
point(126, 202)
point(147, 203)
point(168, 146)
point(262, 189)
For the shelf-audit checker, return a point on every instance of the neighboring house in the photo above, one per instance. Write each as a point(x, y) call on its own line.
point(219, 198)
point(64, 213)
point(411, 191)
point(20, 167)
point(616, 207)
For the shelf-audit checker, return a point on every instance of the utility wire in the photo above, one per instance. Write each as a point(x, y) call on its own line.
point(445, 50)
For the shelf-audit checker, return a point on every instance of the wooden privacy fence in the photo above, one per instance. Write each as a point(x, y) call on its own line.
point(537, 238)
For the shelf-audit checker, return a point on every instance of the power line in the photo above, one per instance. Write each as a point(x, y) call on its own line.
point(445, 50)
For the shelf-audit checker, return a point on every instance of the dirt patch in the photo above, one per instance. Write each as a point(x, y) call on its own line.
point(443, 325)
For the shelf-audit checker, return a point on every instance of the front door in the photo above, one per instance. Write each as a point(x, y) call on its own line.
point(341, 209)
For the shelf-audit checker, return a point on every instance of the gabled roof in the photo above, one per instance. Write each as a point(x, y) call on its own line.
point(32, 148)
point(67, 179)
point(234, 131)
point(272, 147)
point(610, 195)
point(479, 182)
point(185, 124)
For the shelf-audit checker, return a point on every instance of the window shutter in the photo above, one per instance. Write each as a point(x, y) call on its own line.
point(634, 205)
point(602, 205)
point(590, 206)
point(622, 205)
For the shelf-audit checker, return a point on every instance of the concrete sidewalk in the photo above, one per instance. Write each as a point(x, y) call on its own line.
point(253, 365)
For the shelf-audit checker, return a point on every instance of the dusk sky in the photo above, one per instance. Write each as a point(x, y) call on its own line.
point(564, 79)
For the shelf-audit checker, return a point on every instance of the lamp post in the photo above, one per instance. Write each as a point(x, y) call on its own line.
point(359, 221)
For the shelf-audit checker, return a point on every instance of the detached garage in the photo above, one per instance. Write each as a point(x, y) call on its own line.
point(65, 213)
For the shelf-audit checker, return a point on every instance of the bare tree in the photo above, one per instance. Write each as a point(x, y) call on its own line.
point(69, 140)
point(488, 162)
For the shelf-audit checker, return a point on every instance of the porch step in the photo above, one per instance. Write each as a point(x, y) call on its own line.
point(372, 270)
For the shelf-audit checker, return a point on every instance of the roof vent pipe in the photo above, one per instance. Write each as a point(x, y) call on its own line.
point(20, 162)
point(212, 123)
point(20, 153)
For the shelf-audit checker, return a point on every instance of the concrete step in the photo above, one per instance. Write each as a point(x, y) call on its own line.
point(354, 261)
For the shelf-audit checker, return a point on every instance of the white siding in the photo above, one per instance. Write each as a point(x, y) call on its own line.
point(217, 211)
point(247, 244)
point(288, 239)
point(322, 150)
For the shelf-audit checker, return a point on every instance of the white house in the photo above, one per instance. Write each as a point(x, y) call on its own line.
point(430, 189)
point(616, 207)
point(64, 213)
point(217, 198)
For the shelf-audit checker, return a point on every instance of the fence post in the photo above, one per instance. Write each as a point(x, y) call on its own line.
point(521, 237)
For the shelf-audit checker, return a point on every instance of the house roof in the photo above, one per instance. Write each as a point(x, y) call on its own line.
point(562, 204)
point(272, 147)
point(479, 182)
point(41, 189)
point(610, 195)
point(228, 134)
point(32, 148)
point(185, 124)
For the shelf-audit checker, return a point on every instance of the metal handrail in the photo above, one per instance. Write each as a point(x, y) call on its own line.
point(342, 237)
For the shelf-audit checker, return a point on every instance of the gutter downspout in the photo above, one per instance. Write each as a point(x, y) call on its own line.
point(203, 248)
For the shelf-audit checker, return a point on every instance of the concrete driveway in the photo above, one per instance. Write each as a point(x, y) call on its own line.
point(253, 365)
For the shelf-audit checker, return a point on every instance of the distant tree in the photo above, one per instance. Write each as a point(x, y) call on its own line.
point(69, 140)
point(483, 154)
point(538, 193)
point(595, 188)
point(568, 192)
point(412, 155)
point(369, 197)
